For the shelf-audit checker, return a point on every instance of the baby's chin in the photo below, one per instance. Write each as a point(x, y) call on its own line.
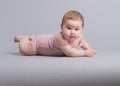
point(71, 39)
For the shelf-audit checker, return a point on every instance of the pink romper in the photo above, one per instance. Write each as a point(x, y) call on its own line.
point(47, 45)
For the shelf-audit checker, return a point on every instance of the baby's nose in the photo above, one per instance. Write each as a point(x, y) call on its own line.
point(72, 31)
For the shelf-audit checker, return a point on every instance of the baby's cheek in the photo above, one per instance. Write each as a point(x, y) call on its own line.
point(66, 34)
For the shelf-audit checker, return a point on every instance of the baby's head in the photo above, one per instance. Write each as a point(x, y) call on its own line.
point(72, 15)
point(72, 24)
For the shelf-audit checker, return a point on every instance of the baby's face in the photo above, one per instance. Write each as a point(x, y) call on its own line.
point(72, 29)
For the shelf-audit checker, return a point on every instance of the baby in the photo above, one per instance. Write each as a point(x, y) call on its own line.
point(68, 42)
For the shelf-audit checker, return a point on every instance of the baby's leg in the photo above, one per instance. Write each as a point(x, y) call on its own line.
point(27, 45)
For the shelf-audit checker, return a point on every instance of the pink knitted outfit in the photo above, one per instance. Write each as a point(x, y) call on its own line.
point(46, 45)
point(49, 45)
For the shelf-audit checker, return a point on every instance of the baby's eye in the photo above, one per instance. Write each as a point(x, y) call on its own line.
point(68, 28)
point(76, 29)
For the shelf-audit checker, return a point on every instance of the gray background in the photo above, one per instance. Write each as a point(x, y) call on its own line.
point(26, 17)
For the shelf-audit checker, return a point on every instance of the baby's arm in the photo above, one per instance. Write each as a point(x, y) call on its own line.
point(72, 52)
point(88, 50)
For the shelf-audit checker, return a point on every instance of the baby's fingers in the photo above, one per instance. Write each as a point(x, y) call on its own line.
point(89, 54)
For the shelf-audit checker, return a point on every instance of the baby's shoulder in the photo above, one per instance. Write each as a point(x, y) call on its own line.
point(60, 41)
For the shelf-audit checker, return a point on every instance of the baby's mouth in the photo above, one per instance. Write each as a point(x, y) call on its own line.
point(72, 36)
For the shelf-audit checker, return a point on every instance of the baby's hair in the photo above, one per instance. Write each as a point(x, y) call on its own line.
point(73, 15)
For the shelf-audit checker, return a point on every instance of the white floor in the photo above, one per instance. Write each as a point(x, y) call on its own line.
point(18, 70)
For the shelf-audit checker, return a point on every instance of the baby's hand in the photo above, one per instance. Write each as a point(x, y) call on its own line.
point(89, 53)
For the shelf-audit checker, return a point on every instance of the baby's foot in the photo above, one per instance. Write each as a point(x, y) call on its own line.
point(18, 38)
point(30, 38)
